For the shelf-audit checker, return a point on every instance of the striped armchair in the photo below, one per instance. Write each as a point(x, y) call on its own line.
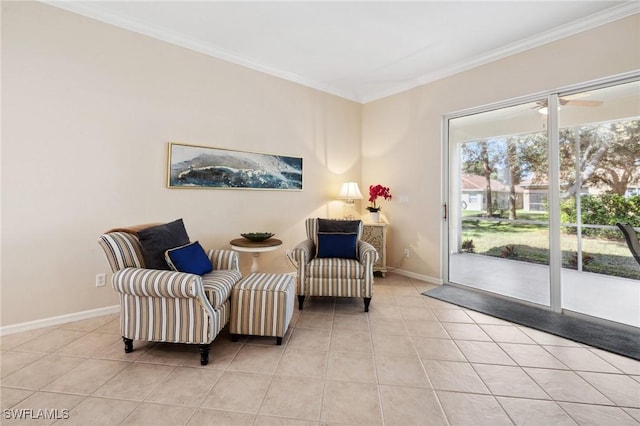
point(168, 306)
point(333, 276)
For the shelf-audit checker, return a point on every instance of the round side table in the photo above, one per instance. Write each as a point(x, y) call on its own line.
point(255, 247)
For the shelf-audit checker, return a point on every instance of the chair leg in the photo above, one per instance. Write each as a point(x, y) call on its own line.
point(204, 354)
point(367, 300)
point(128, 345)
point(278, 341)
point(300, 302)
point(234, 337)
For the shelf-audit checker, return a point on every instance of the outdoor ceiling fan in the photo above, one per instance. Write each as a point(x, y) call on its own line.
point(541, 106)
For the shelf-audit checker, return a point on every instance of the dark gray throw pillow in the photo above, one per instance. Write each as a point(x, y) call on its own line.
point(158, 239)
point(332, 226)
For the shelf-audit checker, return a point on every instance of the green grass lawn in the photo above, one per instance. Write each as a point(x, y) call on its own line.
point(530, 243)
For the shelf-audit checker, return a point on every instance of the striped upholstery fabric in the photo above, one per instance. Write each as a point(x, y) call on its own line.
point(262, 305)
point(337, 268)
point(340, 287)
point(224, 259)
point(223, 319)
point(168, 306)
point(300, 257)
point(155, 283)
point(333, 276)
point(164, 306)
point(218, 285)
point(122, 250)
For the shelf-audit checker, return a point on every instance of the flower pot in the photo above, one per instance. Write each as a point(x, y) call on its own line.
point(374, 217)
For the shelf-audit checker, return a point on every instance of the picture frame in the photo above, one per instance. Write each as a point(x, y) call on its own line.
point(195, 166)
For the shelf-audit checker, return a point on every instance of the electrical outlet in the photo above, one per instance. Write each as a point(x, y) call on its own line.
point(406, 252)
point(101, 279)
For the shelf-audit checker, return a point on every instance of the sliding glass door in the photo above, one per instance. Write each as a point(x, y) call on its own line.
point(599, 138)
point(534, 192)
point(499, 222)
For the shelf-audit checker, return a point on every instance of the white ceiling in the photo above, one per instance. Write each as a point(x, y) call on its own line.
point(357, 50)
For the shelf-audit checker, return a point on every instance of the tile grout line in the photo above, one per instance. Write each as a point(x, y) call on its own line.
point(621, 371)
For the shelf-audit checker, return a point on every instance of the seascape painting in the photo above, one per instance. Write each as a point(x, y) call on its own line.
point(193, 166)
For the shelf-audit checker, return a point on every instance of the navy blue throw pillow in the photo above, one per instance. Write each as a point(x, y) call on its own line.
point(337, 245)
point(190, 258)
point(158, 239)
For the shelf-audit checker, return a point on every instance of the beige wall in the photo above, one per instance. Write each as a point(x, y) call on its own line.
point(402, 134)
point(88, 109)
point(87, 112)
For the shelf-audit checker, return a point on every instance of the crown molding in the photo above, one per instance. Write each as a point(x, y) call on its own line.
point(592, 21)
point(92, 10)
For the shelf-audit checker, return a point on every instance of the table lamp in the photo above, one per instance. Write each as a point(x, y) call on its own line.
point(349, 192)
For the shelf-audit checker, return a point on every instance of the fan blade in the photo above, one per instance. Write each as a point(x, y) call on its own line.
point(583, 103)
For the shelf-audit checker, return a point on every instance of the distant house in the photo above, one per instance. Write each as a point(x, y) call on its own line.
point(535, 195)
point(632, 191)
point(474, 193)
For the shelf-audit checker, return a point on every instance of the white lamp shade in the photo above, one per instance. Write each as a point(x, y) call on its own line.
point(350, 191)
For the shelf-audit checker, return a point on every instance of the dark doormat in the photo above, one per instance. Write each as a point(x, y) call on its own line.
point(617, 340)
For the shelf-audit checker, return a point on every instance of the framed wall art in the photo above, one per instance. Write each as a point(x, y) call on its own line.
point(192, 166)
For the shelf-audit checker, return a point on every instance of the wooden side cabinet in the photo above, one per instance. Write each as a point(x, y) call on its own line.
point(376, 235)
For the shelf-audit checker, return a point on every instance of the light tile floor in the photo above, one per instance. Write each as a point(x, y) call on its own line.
point(411, 360)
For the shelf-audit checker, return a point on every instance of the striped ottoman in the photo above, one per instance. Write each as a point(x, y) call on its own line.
point(262, 305)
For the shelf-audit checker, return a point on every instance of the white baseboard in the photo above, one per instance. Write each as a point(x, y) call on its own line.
point(62, 319)
point(431, 280)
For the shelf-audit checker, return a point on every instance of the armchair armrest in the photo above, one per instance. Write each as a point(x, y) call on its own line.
point(300, 256)
point(157, 283)
point(367, 253)
point(303, 253)
point(224, 259)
